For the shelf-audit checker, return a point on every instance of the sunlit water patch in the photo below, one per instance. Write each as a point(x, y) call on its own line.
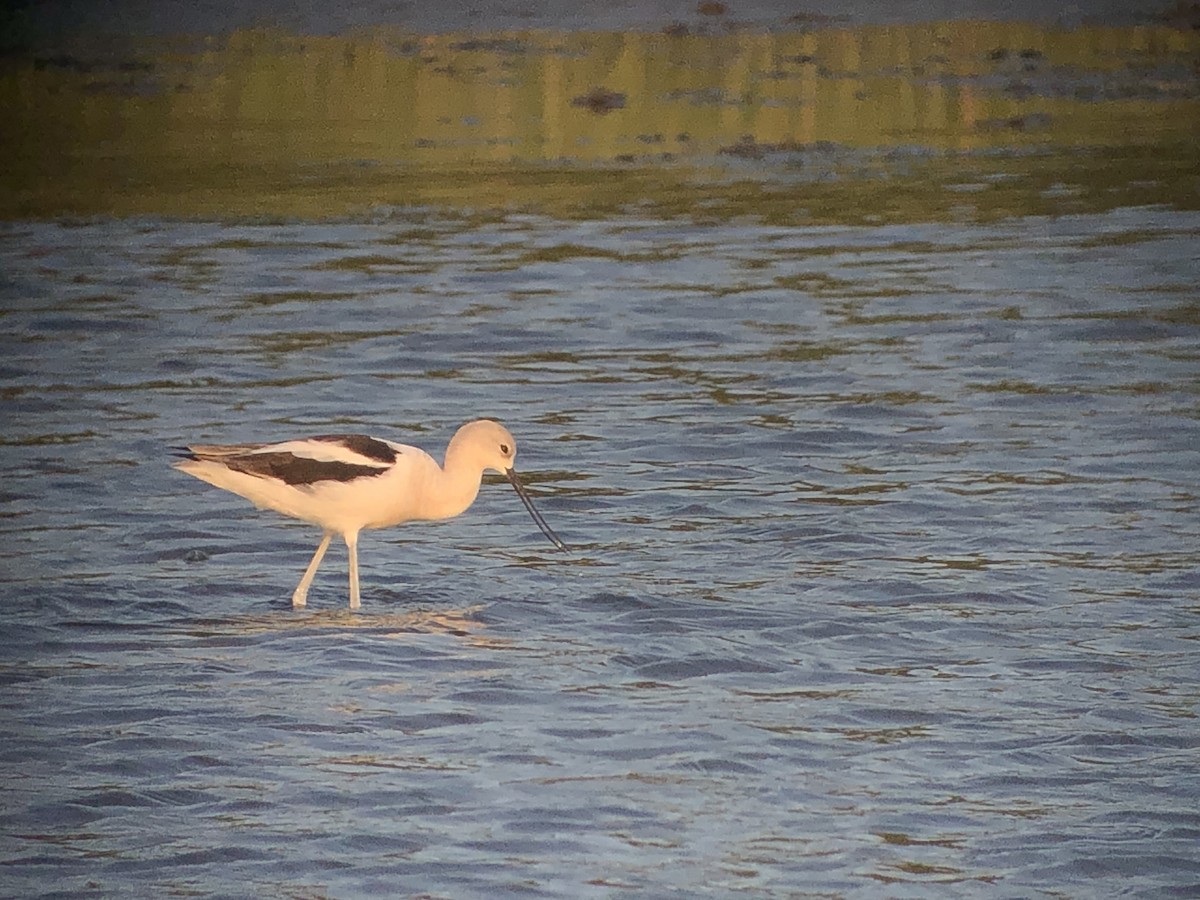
point(805, 120)
point(884, 574)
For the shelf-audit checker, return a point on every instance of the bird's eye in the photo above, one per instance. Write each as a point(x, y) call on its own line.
point(504, 449)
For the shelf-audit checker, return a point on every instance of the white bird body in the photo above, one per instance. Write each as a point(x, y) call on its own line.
point(346, 483)
point(399, 493)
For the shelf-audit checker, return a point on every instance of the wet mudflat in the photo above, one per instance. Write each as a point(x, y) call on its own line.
point(884, 574)
point(813, 123)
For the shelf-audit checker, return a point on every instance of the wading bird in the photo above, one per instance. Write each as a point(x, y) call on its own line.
point(346, 483)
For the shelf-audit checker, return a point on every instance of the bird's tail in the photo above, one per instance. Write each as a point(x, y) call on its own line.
point(213, 452)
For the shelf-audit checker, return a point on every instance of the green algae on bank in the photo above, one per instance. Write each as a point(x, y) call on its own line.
point(953, 187)
point(956, 120)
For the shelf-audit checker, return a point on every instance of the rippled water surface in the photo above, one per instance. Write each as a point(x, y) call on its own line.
point(884, 578)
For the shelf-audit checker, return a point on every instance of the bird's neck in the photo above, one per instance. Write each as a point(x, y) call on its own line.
point(456, 488)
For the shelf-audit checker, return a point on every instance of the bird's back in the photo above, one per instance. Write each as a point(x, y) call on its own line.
point(341, 482)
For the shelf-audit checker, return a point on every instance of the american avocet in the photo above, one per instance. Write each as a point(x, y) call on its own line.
point(347, 482)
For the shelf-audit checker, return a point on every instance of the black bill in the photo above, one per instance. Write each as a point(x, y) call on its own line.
point(511, 475)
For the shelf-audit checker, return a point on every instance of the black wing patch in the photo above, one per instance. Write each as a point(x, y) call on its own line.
point(299, 470)
point(362, 444)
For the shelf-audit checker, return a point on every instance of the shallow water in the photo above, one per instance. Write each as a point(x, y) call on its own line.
point(884, 576)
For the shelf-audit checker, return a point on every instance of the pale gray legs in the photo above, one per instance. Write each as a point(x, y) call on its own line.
point(300, 595)
point(351, 538)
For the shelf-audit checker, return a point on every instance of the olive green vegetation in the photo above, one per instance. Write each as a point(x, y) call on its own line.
point(959, 121)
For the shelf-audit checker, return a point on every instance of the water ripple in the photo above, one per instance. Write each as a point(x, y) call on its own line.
point(885, 577)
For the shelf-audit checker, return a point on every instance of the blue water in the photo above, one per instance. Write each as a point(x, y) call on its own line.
point(885, 577)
